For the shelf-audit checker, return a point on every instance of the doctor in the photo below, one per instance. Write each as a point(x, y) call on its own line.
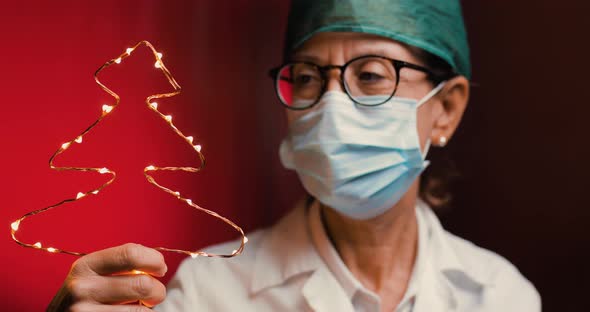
point(368, 87)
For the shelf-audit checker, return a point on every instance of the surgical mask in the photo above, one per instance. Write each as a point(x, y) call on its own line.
point(356, 159)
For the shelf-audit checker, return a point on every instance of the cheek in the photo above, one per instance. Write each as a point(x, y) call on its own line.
point(424, 122)
point(293, 115)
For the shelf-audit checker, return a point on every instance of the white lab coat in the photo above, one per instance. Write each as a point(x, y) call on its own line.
point(292, 266)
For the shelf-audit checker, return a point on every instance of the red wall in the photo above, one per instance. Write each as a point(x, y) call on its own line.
point(522, 146)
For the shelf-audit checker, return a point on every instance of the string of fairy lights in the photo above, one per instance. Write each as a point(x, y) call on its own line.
point(107, 109)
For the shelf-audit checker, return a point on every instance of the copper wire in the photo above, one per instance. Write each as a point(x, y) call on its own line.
point(107, 109)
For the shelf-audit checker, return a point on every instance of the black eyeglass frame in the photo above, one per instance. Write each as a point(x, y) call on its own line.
point(433, 76)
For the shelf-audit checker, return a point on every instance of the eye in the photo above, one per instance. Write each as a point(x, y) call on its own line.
point(371, 71)
point(306, 77)
point(369, 77)
point(302, 79)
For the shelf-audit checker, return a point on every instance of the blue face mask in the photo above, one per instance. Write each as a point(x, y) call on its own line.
point(356, 159)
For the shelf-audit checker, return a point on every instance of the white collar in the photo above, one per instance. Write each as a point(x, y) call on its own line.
point(345, 278)
point(444, 256)
point(285, 251)
point(288, 249)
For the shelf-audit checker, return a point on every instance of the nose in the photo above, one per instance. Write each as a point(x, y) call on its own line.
point(333, 82)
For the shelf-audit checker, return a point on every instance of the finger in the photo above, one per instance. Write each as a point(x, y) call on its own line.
point(122, 258)
point(120, 289)
point(93, 307)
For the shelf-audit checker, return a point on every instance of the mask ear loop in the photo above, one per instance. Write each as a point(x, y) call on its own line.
point(432, 93)
point(427, 97)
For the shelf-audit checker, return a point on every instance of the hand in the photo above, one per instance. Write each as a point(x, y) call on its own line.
point(107, 280)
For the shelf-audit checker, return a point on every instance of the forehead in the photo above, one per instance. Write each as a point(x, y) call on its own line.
point(339, 47)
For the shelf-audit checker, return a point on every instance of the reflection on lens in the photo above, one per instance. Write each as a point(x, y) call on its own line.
point(299, 85)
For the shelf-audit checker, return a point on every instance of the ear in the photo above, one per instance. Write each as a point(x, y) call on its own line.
point(453, 98)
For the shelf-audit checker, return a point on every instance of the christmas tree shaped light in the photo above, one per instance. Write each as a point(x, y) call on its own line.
point(106, 110)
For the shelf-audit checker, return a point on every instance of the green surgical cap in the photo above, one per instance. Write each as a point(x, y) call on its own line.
point(435, 26)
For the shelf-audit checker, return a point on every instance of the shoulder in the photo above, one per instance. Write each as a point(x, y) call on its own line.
point(266, 252)
point(476, 275)
point(207, 281)
point(504, 287)
point(266, 247)
point(237, 268)
point(204, 281)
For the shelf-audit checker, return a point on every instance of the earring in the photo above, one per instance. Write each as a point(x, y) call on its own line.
point(442, 141)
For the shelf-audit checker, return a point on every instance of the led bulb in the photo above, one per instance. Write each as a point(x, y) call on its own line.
point(79, 195)
point(129, 50)
point(154, 105)
point(188, 201)
point(245, 239)
point(103, 170)
point(118, 61)
point(107, 108)
point(234, 252)
point(65, 145)
point(158, 64)
point(177, 194)
point(168, 118)
point(198, 148)
point(51, 249)
point(194, 255)
point(190, 139)
point(15, 225)
point(78, 139)
point(37, 245)
point(150, 168)
point(95, 192)
point(159, 55)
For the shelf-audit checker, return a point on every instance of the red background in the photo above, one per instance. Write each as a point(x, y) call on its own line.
point(219, 52)
point(522, 146)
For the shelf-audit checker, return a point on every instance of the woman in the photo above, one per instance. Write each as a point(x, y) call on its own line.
point(368, 87)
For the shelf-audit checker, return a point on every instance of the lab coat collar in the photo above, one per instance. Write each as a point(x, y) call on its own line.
point(323, 293)
point(446, 260)
point(285, 251)
point(288, 251)
point(445, 274)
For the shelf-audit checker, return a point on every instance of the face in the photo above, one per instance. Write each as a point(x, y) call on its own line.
point(438, 117)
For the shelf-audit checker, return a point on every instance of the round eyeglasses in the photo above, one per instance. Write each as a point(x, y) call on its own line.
point(368, 80)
